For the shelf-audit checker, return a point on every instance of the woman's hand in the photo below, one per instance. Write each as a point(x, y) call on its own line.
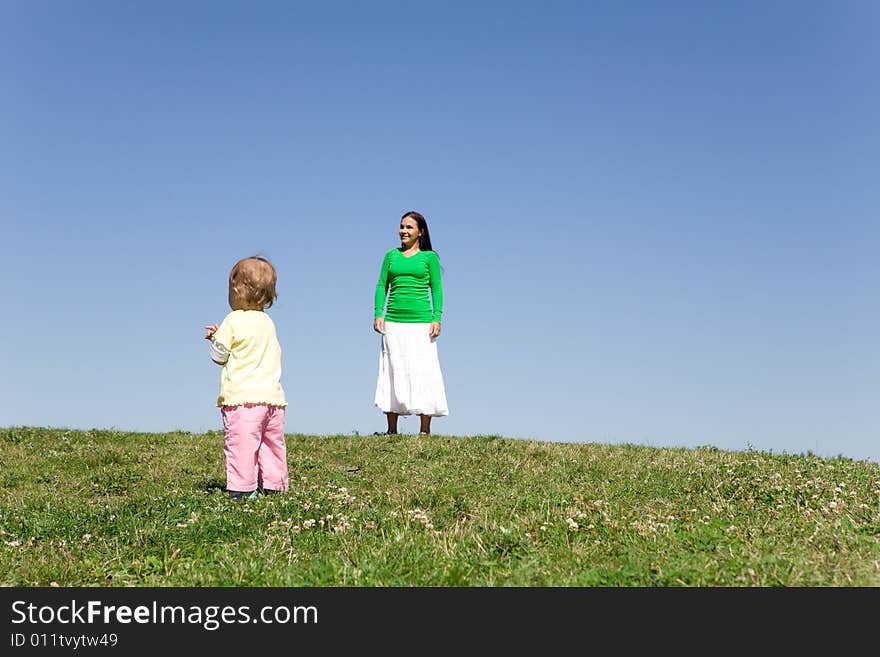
point(211, 330)
point(435, 329)
point(379, 325)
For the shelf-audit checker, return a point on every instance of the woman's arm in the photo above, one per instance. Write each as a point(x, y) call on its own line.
point(436, 287)
point(381, 295)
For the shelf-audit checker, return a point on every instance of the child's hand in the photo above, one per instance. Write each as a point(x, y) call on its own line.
point(211, 330)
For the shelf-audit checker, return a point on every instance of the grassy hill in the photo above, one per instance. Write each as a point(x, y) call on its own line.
point(106, 508)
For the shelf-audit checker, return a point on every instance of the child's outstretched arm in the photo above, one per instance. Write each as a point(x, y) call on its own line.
point(219, 353)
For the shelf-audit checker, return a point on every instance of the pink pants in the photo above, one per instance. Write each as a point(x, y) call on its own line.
point(254, 447)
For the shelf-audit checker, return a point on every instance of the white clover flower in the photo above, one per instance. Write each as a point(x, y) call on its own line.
point(342, 525)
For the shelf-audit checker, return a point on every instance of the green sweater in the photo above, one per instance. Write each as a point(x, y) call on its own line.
point(406, 281)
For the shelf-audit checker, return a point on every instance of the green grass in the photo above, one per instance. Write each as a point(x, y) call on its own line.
point(107, 508)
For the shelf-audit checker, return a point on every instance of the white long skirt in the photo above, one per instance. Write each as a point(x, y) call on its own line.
point(410, 381)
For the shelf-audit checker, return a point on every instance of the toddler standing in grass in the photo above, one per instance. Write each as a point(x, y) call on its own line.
point(251, 400)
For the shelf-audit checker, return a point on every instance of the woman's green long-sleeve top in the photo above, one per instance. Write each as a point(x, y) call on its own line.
point(404, 282)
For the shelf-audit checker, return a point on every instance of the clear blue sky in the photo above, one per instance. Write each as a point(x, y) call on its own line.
point(658, 221)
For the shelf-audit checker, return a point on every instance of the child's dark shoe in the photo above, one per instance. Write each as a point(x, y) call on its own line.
point(243, 495)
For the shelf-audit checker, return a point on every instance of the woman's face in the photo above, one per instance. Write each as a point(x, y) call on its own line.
point(409, 232)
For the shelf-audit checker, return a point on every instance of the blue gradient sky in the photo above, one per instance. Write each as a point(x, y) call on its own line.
point(657, 220)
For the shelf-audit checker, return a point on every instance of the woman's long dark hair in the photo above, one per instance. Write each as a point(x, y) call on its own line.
point(424, 235)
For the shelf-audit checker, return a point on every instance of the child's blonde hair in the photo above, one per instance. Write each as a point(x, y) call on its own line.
point(252, 284)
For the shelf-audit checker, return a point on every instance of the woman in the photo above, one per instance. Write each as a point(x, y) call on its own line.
point(410, 381)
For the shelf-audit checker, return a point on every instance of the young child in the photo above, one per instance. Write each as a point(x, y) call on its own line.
point(251, 400)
